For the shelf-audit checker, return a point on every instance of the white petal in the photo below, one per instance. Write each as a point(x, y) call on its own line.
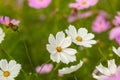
point(103, 70)
point(112, 66)
point(82, 32)
point(99, 77)
point(10, 78)
point(116, 51)
point(72, 58)
point(66, 42)
point(4, 64)
point(2, 78)
point(71, 31)
point(1, 73)
point(51, 49)
point(55, 57)
point(71, 69)
point(52, 39)
point(64, 58)
point(11, 64)
point(88, 43)
point(70, 51)
point(88, 36)
point(15, 71)
point(60, 36)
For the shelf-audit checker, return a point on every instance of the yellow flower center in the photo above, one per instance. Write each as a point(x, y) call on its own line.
point(7, 23)
point(59, 49)
point(83, 3)
point(78, 38)
point(6, 73)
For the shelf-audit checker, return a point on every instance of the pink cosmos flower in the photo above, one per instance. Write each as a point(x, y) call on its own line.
point(83, 4)
point(100, 24)
point(77, 16)
point(110, 73)
point(116, 21)
point(115, 34)
point(44, 68)
point(7, 22)
point(37, 4)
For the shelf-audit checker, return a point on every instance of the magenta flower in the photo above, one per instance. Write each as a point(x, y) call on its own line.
point(115, 34)
point(83, 4)
point(44, 68)
point(116, 21)
point(7, 22)
point(100, 24)
point(37, 4)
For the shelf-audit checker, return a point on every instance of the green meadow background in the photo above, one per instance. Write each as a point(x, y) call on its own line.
point(28, 45)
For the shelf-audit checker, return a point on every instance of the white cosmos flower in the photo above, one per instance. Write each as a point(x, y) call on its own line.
point(82, 37)
point(68, 70)
point(101, 72)
point(116, 51)
point(8, 71)
point(58, 47)
point(2, 35)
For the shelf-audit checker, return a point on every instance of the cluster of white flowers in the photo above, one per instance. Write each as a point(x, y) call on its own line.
point(8, 71)
point(59, 49)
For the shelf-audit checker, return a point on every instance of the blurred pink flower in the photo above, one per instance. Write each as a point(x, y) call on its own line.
point(100, 24)
point(83, 4)
point(44, 68)
point(77, 16)
point(116, 21)
point(7, 22)
point(115, 34)
point(19, 3)
point(39, 3)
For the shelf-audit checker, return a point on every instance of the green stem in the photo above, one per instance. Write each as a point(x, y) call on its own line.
point(6, 53)
point(27, 53)
point(75, 77)
point(54, 71)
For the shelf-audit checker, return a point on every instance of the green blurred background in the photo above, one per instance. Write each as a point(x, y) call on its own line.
point(28, 46)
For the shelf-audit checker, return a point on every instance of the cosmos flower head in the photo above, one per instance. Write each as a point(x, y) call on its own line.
point(58, 48)
point(9, 70)
point(2, 35)
point(44, 68)
point(7, 22)
point(80, 37)
point(37, 4)
point(83, 4)
point(68, 70)
point(13, 24)
point(111, 72)
point(77, 16)
point(115, 34)
point(100, 24)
